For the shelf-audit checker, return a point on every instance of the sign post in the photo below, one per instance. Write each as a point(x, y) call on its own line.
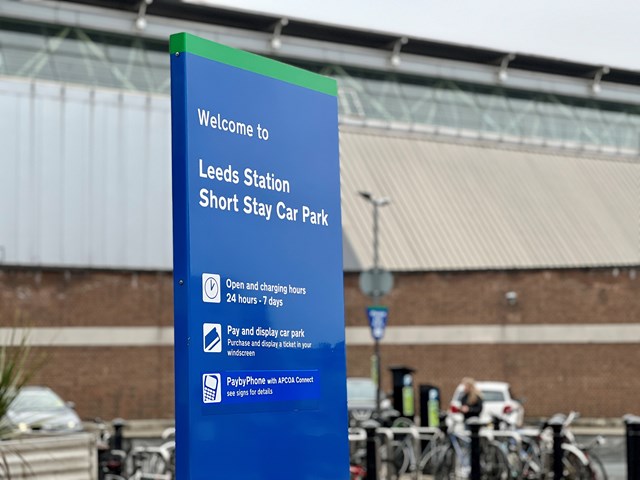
point(258, 284)
point(378, 322)
point(376, 282)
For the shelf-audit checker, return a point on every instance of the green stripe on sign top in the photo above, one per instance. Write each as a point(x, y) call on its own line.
point(185, 42)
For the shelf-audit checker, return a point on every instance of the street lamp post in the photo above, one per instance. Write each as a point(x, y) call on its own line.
point(375, 297)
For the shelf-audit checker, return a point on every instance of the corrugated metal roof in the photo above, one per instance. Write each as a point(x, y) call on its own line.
point(468, 207)
point(85, 182)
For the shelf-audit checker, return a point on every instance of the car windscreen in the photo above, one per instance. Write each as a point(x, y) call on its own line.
point(37, 401)
point(361, 389)
point(493, 396)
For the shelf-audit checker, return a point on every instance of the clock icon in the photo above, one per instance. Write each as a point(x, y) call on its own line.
point(211, 288)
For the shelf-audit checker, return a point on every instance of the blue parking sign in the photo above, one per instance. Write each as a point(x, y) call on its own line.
point(260, 374)
point(377, 321)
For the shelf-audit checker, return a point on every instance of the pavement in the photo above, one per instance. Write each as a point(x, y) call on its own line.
point(590, 426)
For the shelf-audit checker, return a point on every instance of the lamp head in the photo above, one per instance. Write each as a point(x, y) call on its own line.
point(141, 23)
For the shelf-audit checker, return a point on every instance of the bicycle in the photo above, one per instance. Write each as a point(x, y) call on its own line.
point(579, 462)
point(596, 466)
point(411, 446)
point(450, 456)
point(154, 463)
point(521, 447)
point(358, 456)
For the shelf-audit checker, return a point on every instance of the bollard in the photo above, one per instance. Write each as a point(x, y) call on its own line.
point(118, 426)
point(474, 425)
point(442, 418)
point(370, 426)
point(556, 423)
point(632, 422)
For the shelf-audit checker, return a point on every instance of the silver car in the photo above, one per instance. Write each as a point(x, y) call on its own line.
point(39, 410)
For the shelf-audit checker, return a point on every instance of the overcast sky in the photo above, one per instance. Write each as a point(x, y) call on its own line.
point(603, 32)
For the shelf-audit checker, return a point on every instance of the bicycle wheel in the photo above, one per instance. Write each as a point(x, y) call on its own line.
point(494, 463)
point(447, 462)
point(531, 460)
point(596, 468)
point(402, 422)
point(429, 458)
point(573, 467)
point(400, 456)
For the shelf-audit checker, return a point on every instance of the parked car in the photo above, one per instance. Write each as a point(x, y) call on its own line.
point(361, 398)
point(40, 410)
point(496, 401)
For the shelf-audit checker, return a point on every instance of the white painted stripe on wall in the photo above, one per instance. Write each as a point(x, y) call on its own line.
point(416, 335)
point(91, 336)
point(499, 334)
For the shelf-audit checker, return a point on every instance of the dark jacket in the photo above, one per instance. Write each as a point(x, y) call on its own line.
point(474, 408)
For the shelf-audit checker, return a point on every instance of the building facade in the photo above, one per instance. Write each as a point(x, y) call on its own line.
point(569, 341)
point(512, 231)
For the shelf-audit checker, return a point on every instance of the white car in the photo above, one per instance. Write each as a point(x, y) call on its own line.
point(497, 401)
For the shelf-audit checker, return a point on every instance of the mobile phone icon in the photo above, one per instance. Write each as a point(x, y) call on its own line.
point(211, 388)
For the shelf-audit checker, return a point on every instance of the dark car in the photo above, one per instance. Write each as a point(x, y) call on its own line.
point(41, 410)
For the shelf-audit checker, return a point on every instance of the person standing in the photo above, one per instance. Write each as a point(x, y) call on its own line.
point(471, 400)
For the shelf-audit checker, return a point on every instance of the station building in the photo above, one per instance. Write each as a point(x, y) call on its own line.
point(512, 231)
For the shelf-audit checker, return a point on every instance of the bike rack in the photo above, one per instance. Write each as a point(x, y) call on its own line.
point(357, 434)
point(415, 443)
point(146, 453)
point(387, 438)
point(500, 434)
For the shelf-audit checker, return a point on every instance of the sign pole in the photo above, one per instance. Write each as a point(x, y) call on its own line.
point(376, 299)
point(378, 322)
point(376, 291)
point(378, 372)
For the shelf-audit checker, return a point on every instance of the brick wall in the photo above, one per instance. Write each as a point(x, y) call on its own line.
point(85, 298)
point(596, 380)
point(549, 296)
point(130, 382)
point(111, 382)
point(137, 382)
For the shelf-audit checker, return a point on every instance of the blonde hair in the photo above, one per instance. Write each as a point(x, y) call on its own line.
point(473, 393)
